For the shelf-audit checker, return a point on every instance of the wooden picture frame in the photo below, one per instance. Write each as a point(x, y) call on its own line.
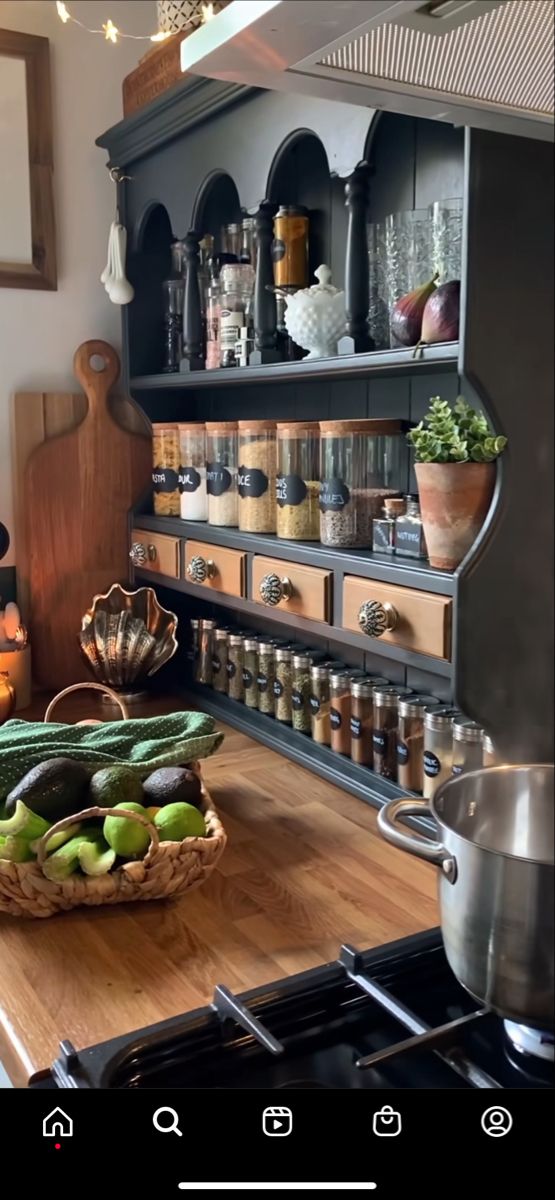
point(40, 271)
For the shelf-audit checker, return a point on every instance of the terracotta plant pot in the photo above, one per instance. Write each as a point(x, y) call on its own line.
point(454, 502)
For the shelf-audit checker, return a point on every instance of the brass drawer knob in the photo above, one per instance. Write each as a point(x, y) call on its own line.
point(140, 554)
point(200, 569)
point(375, 618)
point(273, 589)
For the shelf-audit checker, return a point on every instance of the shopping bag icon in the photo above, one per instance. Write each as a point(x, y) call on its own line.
point(386, 1122)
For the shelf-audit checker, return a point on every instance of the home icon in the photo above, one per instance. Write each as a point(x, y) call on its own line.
point(57, 1124)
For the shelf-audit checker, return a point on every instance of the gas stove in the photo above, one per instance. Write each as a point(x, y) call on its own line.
point(390, 1017)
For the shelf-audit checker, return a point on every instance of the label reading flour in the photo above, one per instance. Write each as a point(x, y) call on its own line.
point(189, 479)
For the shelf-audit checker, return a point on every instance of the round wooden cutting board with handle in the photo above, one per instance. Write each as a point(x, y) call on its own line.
point(79, 488)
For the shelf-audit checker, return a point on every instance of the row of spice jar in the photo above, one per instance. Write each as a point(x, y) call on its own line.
point(305, 481)
point(403, 736)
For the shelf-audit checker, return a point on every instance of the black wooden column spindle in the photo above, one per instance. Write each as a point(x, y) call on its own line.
point(265, 312)
point(357, 273)
point(193, 348)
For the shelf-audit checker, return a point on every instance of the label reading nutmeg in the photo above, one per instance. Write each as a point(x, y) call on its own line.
point(218, 479)
point(188, 479)
point(165, 479)
point(296, 699)
point(356, 727)
point(290, 490)
point(251, 482)
point(335, 718)
point(432, 765)
point(402, 753)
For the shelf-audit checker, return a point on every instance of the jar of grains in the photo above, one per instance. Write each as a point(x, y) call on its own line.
point(438, 746)
point(468, 746)
point(192, 472)
point(235, 663)
point(283, 680)
point(298, 481)
point(361, 464)
point(340, 707)
point(165, 470)
point(265, 677)
point(300, 691)
point(219, 660)
point(384, 736)
point(489, 757)
point(250, 671)
point(256, 480)
point(410, 741)
point(319, 702)
point(221, 472)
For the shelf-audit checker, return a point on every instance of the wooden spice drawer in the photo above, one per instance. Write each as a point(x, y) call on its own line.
point(423, 620)
point(160, 552)
point(226, 570)
point(310, 587)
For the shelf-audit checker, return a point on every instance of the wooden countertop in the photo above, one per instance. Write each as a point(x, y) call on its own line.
point(304, 871)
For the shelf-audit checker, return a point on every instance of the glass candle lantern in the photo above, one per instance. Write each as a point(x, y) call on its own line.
point(361, 465)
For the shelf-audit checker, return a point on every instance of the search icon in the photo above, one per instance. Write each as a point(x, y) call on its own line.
point(173, 1127)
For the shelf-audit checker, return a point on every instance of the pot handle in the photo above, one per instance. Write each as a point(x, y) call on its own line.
point(415, 843)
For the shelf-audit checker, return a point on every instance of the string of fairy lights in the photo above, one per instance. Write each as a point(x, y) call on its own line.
point(111, 33)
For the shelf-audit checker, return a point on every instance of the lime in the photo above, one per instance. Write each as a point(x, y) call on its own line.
point(128, 838)
point(177, 821)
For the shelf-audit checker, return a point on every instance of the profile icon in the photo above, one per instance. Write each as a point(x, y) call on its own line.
point(496, 1121)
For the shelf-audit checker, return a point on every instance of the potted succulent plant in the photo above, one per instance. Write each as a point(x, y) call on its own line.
point(455, 453)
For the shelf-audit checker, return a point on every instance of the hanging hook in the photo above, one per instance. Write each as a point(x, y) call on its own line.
point(117, 176)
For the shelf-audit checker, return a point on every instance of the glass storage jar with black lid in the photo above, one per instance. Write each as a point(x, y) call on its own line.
point(361, 464)
point(203, 672)
point(235, 663)
point(438, 746)
point(165, 470)
point(219, 660)
point(221, 473)
point(298, 481)
point(340, 707)
point(489, 756)
point(266, 676)
point(410, 740)
point(468, 746)
point(192, 471)
point(256, 482)
point(384, 735)
point(250, 671)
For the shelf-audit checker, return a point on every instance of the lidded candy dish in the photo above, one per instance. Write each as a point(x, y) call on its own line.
point(315, 316)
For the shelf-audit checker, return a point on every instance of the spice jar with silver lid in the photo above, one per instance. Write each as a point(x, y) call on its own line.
point(384, 735)
point(203, 673)
point(489, 755)
point(235, 661)
point(282, 683)
point(362, 696)
point(250, 671)
point(438, 746)
point(340, 707)
point(300, 691)
point(265, 677)
point(219, 660)
point(468, 746)
point(410, 741)
point(319, 703)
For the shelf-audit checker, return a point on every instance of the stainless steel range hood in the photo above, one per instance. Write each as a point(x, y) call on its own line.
point(486, 63)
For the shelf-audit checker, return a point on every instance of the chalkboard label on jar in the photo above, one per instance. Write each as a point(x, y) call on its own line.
point(231, 669)
point(277, 249)
point(379, 741)
point(278, 688)
point(251, 482)
point(335, 718)
point(314, 704)
point(455, 770)
point(247, 678)
point(296, 699)
point(334, 495)
point(188, 479)
point(356, 727)
point(432, 765)
point(165, 479)
point(262, 681)
point(216, 665)
point(218, 479)
point(290, 490)
point(402, 753)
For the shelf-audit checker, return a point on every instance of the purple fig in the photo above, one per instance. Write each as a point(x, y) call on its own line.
point(406, 317)
point(440, 322)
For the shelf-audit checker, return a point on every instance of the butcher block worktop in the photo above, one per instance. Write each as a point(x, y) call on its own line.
point(304, 871)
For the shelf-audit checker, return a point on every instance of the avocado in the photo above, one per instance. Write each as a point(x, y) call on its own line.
point(54, 789)
point(173, 785)
point(115, 785)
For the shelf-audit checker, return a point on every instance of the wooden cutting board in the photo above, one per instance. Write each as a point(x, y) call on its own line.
point(77, 491)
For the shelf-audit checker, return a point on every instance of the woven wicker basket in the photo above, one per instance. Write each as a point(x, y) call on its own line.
point(168, 868)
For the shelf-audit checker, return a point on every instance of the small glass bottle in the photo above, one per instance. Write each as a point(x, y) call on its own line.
point(319, 704)
point(362, 693)
point(468, 746)
point(235, 663)
point(213, 307)
point(247, 253)
point(489, 756)
point(204, 660)
point(283, 682)
point(219, 661)
point(300, 692)
point(340, 707)
point(410, 741)
point(192, 653)
point(409, 531)
point(383, 528)
point(265, 678)
point(384, 736)
point(174, 299)
point(192, 471)
point(250, 672)
point(237, 284)
point(438, 746)
point(243, 347)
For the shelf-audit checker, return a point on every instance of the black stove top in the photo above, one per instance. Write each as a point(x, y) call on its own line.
point(391, 1017)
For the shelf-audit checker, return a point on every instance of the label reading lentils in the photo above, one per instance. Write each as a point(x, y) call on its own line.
point(247, 678)
point(432, 765)
point(164, 479)
point(356, 727)
point(278, 688)
point(334, 495)
point(262, 681)
point(218, 479)
point(402, 753)
point(314, 704)
point(231, 668)
point(290, 490)
point(188, 479)
point(296, 699)
point(335, 718)
point(251, 482)
point(379, 740)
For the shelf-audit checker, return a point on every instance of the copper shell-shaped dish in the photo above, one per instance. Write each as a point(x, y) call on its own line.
point(127, 636)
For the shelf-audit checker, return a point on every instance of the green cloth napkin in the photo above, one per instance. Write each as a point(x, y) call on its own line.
point(143, 745)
